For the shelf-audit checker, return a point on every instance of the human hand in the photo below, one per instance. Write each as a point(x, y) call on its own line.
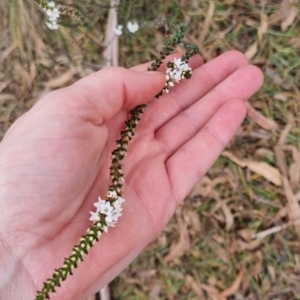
point(54, 163)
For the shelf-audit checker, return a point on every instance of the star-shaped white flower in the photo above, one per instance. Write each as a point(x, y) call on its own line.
point(118, 30)
point(99, 204)
point(106, 209)
point(178, 63)
point(133, 26)
point(94, 216)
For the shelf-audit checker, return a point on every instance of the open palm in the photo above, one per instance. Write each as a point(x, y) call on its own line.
point(54, 163)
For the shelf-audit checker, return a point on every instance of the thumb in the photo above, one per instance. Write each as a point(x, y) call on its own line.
point(103, 94)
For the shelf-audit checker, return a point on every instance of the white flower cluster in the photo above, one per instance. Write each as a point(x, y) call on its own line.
point(176, 71)
point(53, 14)
point(111, 210)
point(131, 26)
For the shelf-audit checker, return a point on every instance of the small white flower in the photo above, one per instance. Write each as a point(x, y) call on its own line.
point(108, 219)
point(119, 202)
point(94, 216)
point(106, 209)
point(133, 26)
point(115, 217)
point(51, 4)
point(118, 30)
point(117, 211)
point(53, 14)
point(178, 63)
point(52, 26)
point(99, 204)
point(112, 224)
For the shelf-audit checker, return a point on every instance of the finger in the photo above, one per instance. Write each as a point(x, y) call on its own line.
point(145, 66)
point(194, 158)
point(204, 79)
point(242, 84)
point(194, 62)
point(99, 96)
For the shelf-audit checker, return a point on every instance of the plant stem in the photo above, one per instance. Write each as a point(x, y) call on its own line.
point(95, 231)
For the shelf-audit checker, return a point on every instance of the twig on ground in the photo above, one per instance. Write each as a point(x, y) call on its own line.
point(261, 235)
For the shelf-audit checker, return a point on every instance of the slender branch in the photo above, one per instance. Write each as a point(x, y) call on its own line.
point(114, 198)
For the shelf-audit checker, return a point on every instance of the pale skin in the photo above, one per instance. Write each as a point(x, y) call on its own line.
point(54, 163)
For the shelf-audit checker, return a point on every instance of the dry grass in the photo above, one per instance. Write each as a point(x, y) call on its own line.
point(210, 248)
